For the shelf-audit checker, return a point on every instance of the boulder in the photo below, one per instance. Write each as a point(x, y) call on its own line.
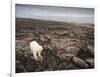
point(90, 62)
point(81, 63)
point(43, 39)
point(90, 50)
point(65, 56)
point(72, 50)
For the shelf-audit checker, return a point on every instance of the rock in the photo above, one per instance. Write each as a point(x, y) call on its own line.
point(64, 33)
point(17, 61)
point(20, 42)
point(72, 34)
point(43, 39)
point(72, 66)
point(28, 39)
point(90, 50)
point(49, 50)
point(22, 50)
point(50, 62)
point(20, 68)
point(65, 56)
point(72, 50)
point(47, 37)
point(81, 63)
point(90, 62)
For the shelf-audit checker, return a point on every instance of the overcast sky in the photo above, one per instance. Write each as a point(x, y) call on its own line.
point(66, 14)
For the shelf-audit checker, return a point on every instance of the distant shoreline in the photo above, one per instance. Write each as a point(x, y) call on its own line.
point(56, 21)
point(90, 25)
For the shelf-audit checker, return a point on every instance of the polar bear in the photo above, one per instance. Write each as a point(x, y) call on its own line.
point(36, 49)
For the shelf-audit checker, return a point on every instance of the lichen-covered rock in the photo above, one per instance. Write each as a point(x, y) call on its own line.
point(80, 62)
point(20, 67)
point(65, 56)
point(22, 50)
point(90, 62)
point(90, 50)
point(50, 61)
point(45, 38)
point(72, 50)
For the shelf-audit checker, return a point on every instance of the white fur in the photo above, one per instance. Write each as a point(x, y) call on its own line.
point(36, 50)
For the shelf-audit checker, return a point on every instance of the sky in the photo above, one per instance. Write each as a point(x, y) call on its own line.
point(55, 13)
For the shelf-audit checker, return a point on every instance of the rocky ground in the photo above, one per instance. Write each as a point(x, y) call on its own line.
point(66, 46)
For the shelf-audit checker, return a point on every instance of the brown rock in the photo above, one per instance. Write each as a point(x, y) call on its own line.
point(90, 50)
point(43, 39)
point(80, 62)
point(90, 62)
point(65, 56)
point(72, 50)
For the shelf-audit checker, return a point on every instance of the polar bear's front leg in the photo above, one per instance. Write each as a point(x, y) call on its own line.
point(40, 56)
point(35, 56)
